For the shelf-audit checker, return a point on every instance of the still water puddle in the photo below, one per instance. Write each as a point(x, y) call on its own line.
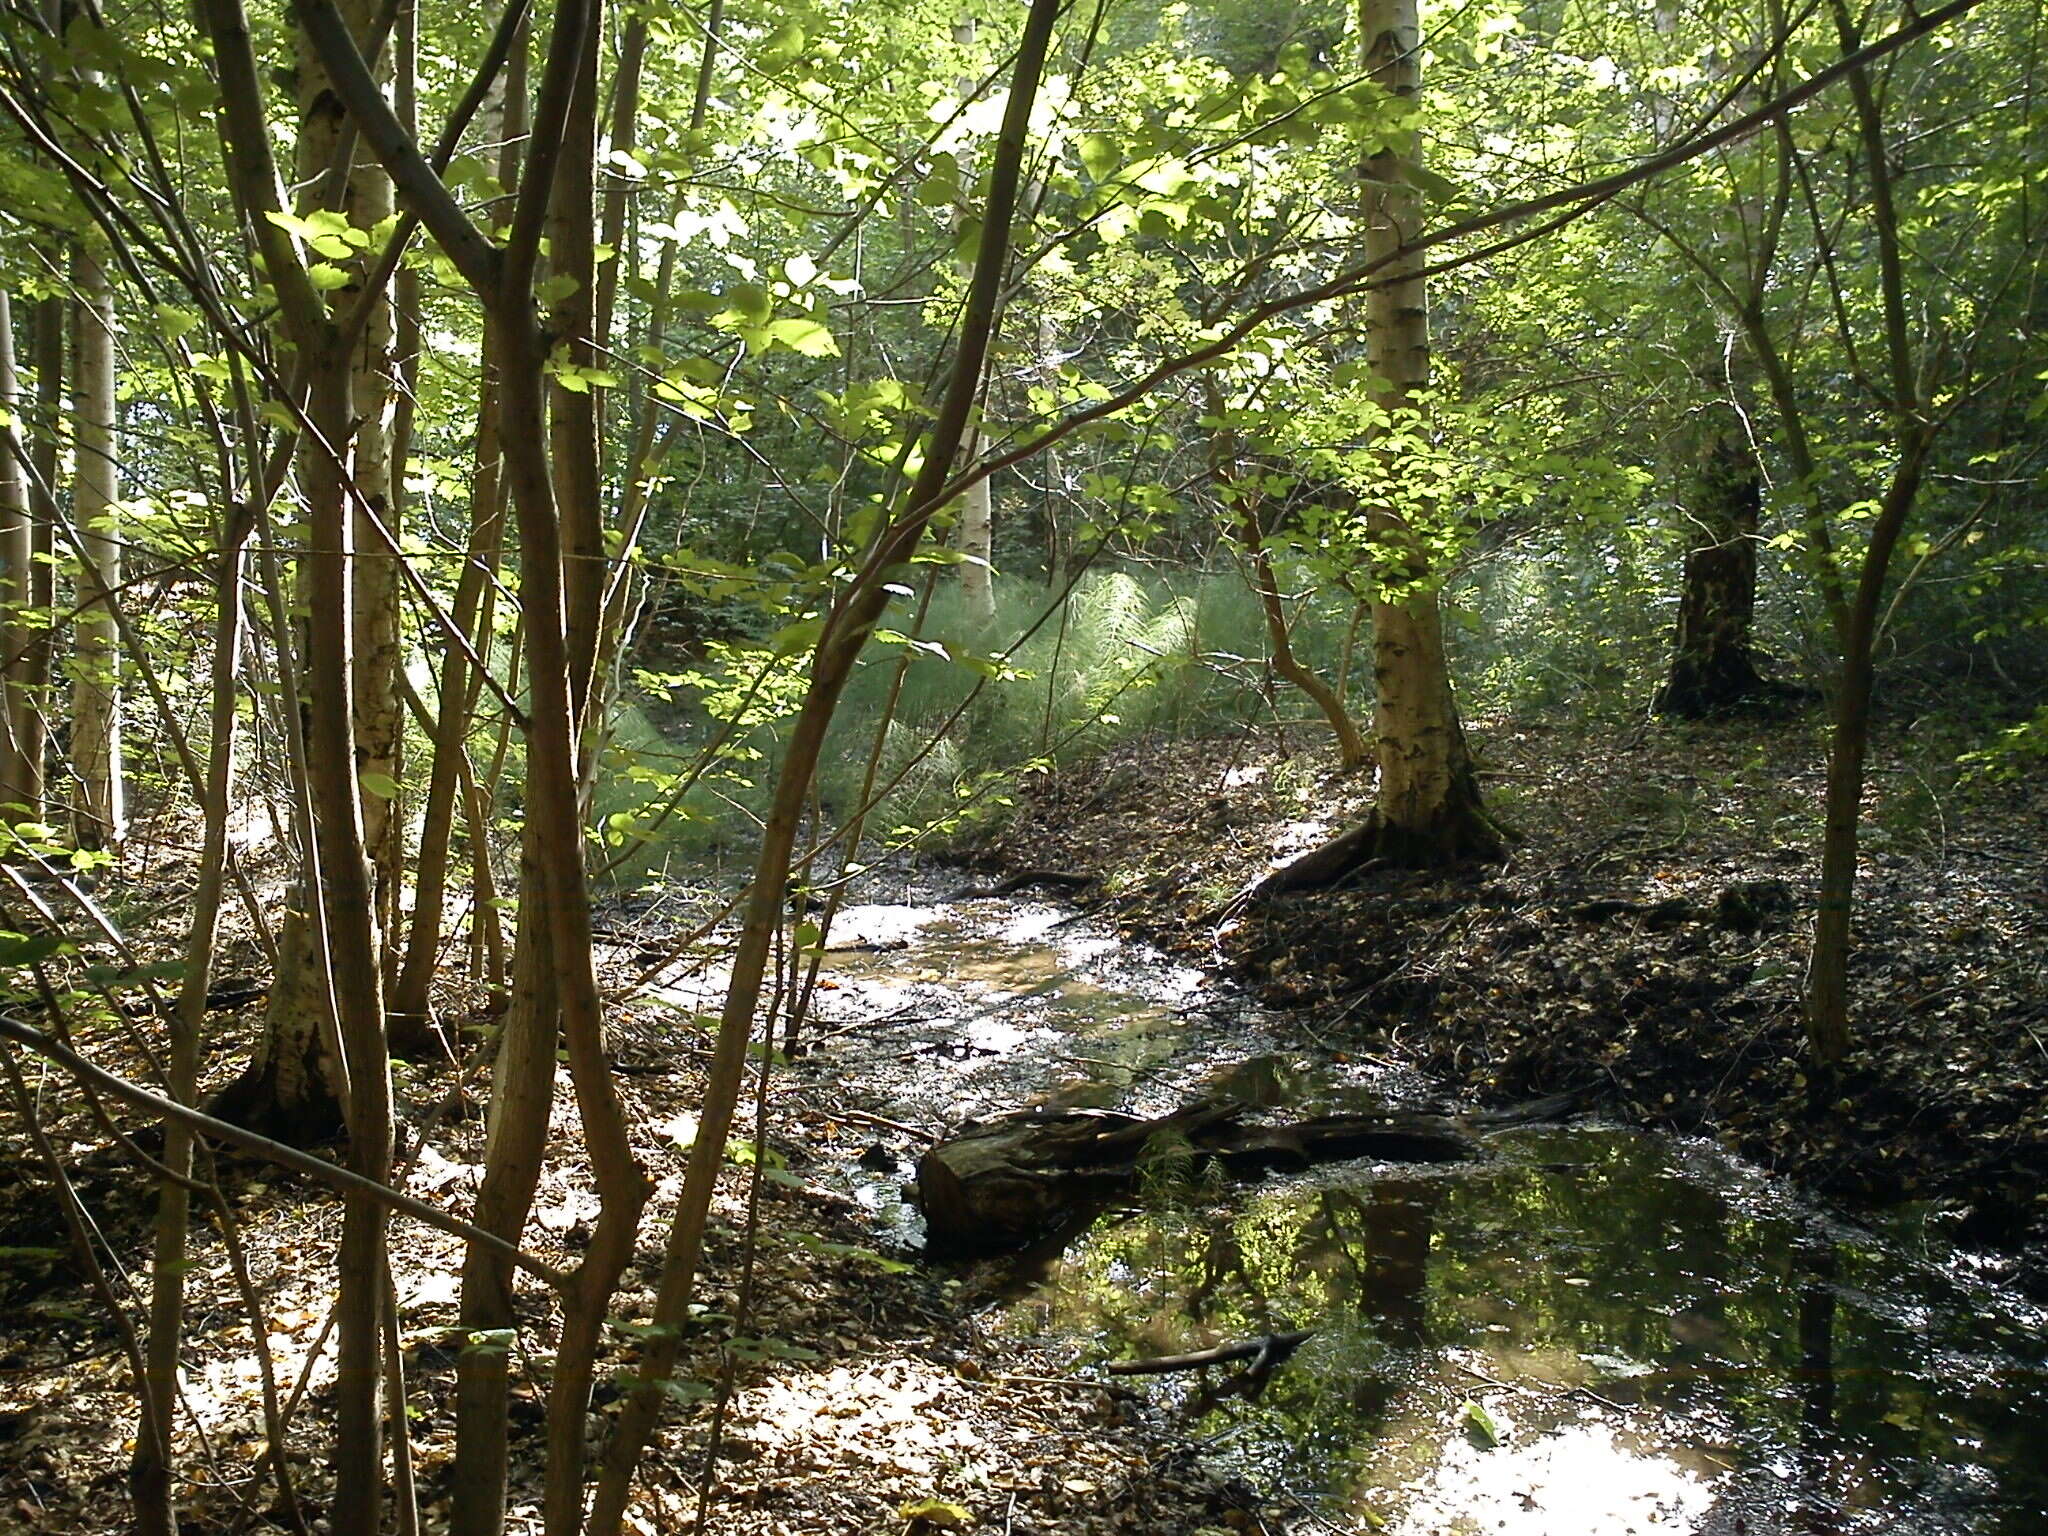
point(1657, 1339)
point(1595, 1332)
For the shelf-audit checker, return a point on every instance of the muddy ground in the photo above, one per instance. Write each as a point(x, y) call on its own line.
point(1647, 939)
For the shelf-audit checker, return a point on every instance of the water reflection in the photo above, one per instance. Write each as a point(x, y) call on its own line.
point(1663, 1341)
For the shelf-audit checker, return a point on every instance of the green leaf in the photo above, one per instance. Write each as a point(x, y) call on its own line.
point(135, 975)
point(173, 321)
point(781, 47)
point(805, 336)
point(1479, 1424)
point(1438, 188)
point(792, 639)
point(18, 949)
point(489, 1341)
point(382, 785)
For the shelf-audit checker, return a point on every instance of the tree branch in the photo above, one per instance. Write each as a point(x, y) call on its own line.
point(330, 1174)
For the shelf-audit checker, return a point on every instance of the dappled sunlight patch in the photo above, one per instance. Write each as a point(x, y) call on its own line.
point(1580, 1479)
point(900, 1415)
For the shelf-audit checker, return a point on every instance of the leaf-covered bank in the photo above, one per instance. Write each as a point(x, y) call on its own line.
point(1647, 938)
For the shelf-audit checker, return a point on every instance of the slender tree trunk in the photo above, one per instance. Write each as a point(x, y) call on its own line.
point(572, 413)
point(1429, 809)
point(383, 413)
point(1351, 748)
point(1827, 979)
point(974, 537)
point(96, 686)
point(21, 790)
point(150, 1474)
point(1913, 433)
point(43, 456)
point(352, 967)
point(1713, 667)
point(846, 630)
point(974, 533)
point(522, 1095)
point(459, 688)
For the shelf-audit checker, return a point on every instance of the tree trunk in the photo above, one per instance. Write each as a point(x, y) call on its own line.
point(1429, 809)
point(1827, 978)
point(377, 467)
point(150, 1476)
point(847, 627)
point(974, 537)
point(522, 1095)
point(353, 967)
point(1011, 1180)
point(1351, 748)
point(21, 789)
point(293, 1087)
point(459, 688)
point(974, 533)
point(44, 455)
point(96, 685)
point(1713, 668)
point(1913, 433)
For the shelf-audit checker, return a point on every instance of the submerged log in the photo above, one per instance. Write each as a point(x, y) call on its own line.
point(1000, 1184)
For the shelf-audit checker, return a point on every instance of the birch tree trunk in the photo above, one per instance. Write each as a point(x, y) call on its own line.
point(974, 533)
point(21, 789)
point(1429, 809)
point(374, 578)
point(96, 677)
point(42, 581)
point(974, 537)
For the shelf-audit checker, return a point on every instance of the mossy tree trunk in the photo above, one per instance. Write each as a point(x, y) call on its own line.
point(1713, 664)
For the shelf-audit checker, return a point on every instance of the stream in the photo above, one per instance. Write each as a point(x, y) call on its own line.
point(1594, 1331)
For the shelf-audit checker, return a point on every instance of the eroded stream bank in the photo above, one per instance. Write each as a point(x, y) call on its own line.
point(1593, 1330)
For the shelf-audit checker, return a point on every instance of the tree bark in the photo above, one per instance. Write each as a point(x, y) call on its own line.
point(1352, 751)
point(1827, 980)
point(1004, 1183)
point(974, 537)
point(96, 758)
point(383, 415)
point(1913, 433)
point(350, 970)
point(459, 688)
point(1429, 810)
point(1713, 666)
point(49, 361)
point(522, 1095)
point(21, 789)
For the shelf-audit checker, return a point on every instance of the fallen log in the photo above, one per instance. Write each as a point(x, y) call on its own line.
point(1264, 1353)
point(1001, 1184)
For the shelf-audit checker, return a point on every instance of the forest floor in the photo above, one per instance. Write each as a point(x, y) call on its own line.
point(863, 1389)
point(1647, 939)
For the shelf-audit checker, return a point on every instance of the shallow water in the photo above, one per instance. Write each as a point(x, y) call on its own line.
point(1594, 1332)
